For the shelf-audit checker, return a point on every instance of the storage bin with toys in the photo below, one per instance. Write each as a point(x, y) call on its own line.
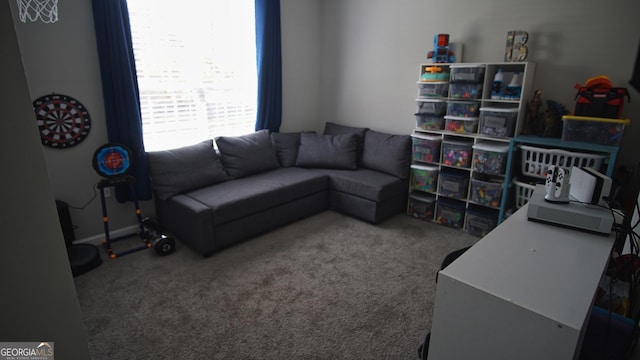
point(433, 89)
point(456, 153)
point(479, 222)
point(467, 109)
point(498, 122)
point(421, 206)
point(424, 177)
point(469, 73)
point(429, 122)
point(454, 185)
point(450, 212)
point(487, 191)
point(426, 148)
point(490, 157)
point(432, 106)
point(594, 130)
point(461, 125)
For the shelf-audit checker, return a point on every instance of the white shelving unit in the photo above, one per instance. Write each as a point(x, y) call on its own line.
point(463, 206)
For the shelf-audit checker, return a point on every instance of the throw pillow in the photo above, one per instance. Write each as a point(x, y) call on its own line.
point(187, 168)
point(247, 154)
point(286, 145)
point(387, 153)
point(336, 129)
point(328, 151)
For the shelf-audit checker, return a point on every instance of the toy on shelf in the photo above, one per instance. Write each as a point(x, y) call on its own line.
point(434, 73)
point(441, 52)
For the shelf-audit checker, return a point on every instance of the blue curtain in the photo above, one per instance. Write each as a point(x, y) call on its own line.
point(120, 89)
point(269, 59)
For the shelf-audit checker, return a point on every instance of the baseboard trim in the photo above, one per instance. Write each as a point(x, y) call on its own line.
point(97, 239)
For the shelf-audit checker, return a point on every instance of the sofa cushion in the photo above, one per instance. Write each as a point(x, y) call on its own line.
point(368, 184)
point(247, 154)
point(388, 153)
point(328, 151)
point(337, 129)
point(179, 170)
point(286, 145)
point(242, 197)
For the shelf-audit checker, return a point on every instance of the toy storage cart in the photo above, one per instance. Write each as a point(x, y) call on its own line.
point(608, 158)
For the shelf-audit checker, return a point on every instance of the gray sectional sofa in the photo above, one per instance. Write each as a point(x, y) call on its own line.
point(211, 199)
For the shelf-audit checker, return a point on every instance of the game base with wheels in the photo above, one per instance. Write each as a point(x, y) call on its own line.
point(162, 243)
point(112, 161)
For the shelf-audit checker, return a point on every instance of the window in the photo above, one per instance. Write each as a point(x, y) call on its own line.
point(196, 64)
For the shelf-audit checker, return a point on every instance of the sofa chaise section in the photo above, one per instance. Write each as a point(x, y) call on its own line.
point(366, 194)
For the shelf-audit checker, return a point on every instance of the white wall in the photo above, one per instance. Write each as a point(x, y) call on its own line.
point(372, 49)
point(301, 64)
point(63, 58)
point(349, 61)
point(38, 301)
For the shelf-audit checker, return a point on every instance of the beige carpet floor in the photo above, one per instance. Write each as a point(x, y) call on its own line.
point(326, 287)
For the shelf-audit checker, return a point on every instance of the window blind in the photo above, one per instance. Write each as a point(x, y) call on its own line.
point(196, 67)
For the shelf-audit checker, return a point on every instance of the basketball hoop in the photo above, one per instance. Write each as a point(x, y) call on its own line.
point(32, 10)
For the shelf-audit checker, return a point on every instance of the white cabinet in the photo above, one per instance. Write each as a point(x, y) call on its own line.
point(461, 141)
point(525, 291)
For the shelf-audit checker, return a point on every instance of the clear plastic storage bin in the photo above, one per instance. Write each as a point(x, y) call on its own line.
point(499, 122)
point(461, 125)
point(429, 122)
point(421, 206)
point(487, 192)
point(465, 91)
point(453, 185)
point(480, 222)
point(450, 212)
point(424, 177)
point(463, 108)
point(467, 72)
point(593, 130)
point(490, 158)
point(433, 89)
point(456, 153)
point(432, 106)
point(426, 148)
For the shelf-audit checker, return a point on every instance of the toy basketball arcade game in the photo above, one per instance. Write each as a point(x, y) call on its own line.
point(113, 163)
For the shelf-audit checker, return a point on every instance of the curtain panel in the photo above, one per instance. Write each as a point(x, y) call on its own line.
point(120, 89)
point(269, 61)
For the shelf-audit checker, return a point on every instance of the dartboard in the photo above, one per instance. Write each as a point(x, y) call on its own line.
point(62, 120)
point(112, 160)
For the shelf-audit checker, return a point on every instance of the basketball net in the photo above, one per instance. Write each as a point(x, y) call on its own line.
point(32, 10)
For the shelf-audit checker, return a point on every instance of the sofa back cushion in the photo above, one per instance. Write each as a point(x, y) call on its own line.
point(337, 129)
point(183, 169)
point(390, 154)
point(247, 154)
point(328, 151)
point(286, 145)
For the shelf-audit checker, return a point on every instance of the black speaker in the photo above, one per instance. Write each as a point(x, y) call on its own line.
point(65, 222)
